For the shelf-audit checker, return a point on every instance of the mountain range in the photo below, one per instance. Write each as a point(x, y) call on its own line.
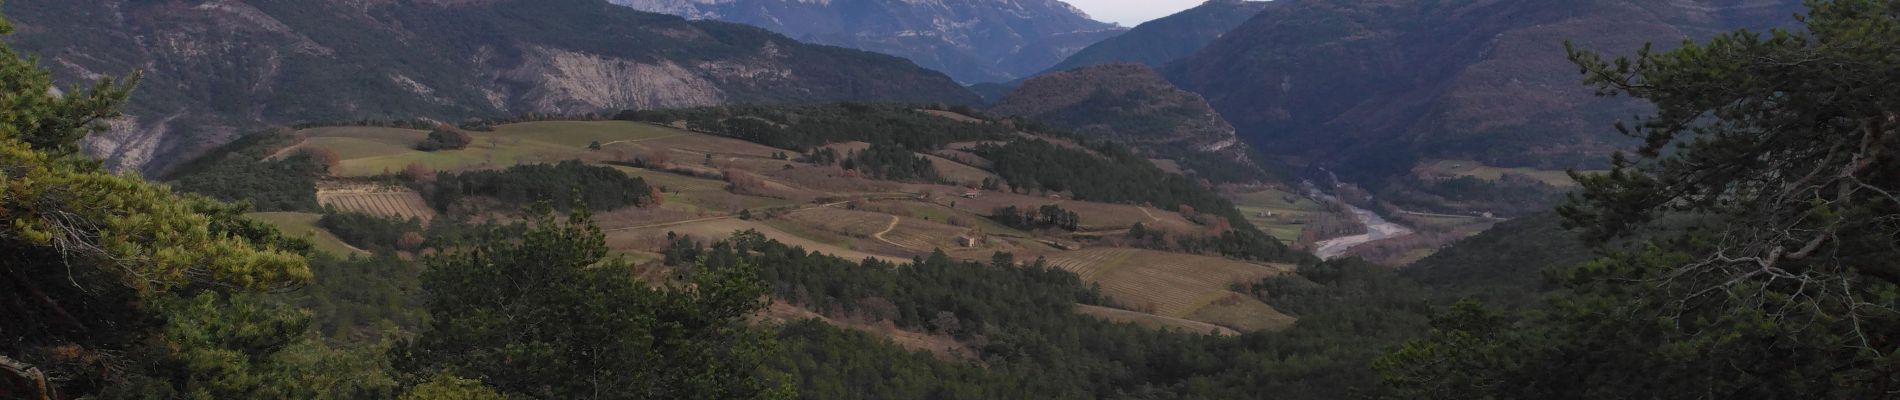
point(971, 40)
point(1164, 40)
point(1373, 86)
point(213, 69)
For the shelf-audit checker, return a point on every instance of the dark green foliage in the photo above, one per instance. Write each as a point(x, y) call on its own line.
point(806, 127)
point(241, 172)
point(368, 231)
point(1117, 176)
point(567, 184)
point(1021, 320)
point(361, 299)
point(822, 156)
point(892, 162)
point(1235, 243)
point(1505, 264)
point(829, 363)
point(1511, 195)
point(445, 138)
point(1747, 251)
point(1049, 216)
point(114, 287)
point(545, 314)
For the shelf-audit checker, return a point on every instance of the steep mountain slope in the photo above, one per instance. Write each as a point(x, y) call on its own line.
point(1368, 87)
point(1129, 103)
point(214, 68)
point(1170, 38)
point(972, 40)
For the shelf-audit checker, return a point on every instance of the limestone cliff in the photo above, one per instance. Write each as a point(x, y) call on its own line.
point(213, 69)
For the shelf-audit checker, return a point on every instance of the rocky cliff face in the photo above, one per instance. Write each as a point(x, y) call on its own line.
point(216, 68)
point(1130, 103)
point(972, 40)
point(1158, 42)
point(1372, 85)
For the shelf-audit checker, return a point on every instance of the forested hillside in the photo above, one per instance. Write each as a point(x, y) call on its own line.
point(214, 70)
point(1746, 248)
point(971, 40)
point(1131, 104)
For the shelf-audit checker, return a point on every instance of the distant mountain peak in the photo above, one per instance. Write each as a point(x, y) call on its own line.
point(971, 40)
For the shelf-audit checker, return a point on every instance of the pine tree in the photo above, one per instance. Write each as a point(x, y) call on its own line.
point(1750, 246)
point(546, 314)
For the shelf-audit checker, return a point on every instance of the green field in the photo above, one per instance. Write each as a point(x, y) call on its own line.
point(367, 151)
point(1258, 205)
point(579, 134)
point(305, 225)
point(1479, 170)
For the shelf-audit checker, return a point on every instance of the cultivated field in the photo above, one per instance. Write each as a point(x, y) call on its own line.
point(305, 225)
point(1178, 285)
point(1280, 213)
point(959, 173)
point(399, 203)
point(367, 151)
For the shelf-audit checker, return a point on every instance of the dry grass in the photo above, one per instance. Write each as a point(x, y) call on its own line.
point(1170, 166)
point(305, 225)
point(1178, 285)
point(1152, 321)
point(1280, 213)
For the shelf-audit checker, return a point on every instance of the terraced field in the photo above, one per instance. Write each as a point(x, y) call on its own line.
point(1177, 285)
point(395, 203)
point(305, 225)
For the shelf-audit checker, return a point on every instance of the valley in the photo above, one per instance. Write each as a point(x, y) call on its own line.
point(963, 199)
point(712, 186)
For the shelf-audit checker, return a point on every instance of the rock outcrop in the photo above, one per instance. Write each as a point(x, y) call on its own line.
point(213, 69)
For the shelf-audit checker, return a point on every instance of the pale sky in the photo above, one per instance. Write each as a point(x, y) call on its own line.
point(1132, 12)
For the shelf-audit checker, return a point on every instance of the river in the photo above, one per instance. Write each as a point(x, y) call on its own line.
point(1377, 228)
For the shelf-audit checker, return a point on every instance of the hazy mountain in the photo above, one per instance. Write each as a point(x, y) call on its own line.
point(213, 69)
point(1130, 103)
point(972, 40)
point(1373, 85)
point(1170, 38)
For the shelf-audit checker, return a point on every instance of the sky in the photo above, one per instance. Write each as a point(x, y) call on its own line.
point(1132, 12)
